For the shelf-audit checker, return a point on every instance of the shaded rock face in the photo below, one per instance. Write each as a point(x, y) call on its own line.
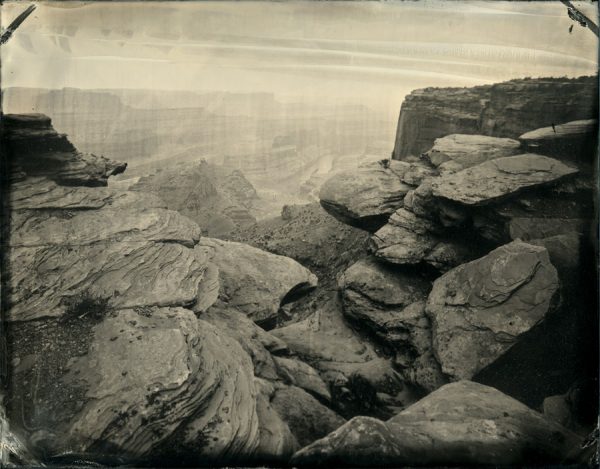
point(34, 148)
point(460, 423)
point(307, 419)
point(575, 141)
point(217, 199)
point(348, 363)
point(391, 305)
point(365, 198)
point(411, 240)
point(308, 234)
point(459, 151)
point(506, 109)
point(479, 309)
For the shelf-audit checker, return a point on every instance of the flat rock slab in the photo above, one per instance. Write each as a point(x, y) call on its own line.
point(459, 151)
point(365, 197)
point(500, 178)
point(44, 278)
point(43, 194)
point(253, 281)
point(574, 141)
point(459, 424)
point(480, 309)
point(131, 225)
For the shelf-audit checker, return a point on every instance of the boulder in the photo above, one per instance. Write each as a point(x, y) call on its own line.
point(575, 141)
point(253, 281)
point(365, 197)
point(459, 151)
point(302, 375)
point(410, 240)
point(277, 442)
point(306, 417)
point(480, 309)
point(147, 384)
point(500, 178)
point(461, 423)
point(256, 342)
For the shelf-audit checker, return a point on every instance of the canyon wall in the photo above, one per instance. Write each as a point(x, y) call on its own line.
point(506, 109)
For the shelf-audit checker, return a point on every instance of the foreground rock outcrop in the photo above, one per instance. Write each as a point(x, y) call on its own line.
point(119, 314)
point(461, 423)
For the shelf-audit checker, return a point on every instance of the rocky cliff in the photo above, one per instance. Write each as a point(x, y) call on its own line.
point(458, 303)
point(506, 109)
point(478, 271)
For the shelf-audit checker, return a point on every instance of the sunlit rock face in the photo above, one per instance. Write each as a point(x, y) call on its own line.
point(506, 109)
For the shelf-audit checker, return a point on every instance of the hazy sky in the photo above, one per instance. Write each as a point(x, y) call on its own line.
point(364, 51)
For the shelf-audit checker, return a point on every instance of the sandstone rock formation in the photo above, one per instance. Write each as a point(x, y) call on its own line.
point(462, 423)
point(217, 199)
point(574, 142)
point(493, 180)
point(365, 198)
point(254, 281)
point(343, 358)
point(411, 240)
point(506, 109)
point(109, 355)
point(479, 309)
point(308, 234)
point(34, 148)
point(459, 151)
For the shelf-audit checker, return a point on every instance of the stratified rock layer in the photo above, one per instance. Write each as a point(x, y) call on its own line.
point(499, 178)
point(506, 109)
point(34, 148)
point(461, 423)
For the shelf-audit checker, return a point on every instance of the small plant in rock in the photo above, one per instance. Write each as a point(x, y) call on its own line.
point(87, 305)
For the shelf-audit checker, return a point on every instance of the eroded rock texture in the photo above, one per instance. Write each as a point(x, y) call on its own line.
point(108, 353)
point(478, 310)
point(460, 423)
